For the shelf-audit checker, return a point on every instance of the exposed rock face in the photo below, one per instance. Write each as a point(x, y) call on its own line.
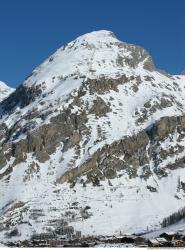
point(105, 162)
point(104, 85)
point(44, 141)
point(138, 151)
point(22, 97)
point(138, 54)
point(94, 124)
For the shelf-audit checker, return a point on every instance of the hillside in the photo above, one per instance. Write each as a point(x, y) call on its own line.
point(92, 141)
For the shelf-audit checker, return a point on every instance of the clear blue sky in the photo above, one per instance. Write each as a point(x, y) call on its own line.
point(31, 30)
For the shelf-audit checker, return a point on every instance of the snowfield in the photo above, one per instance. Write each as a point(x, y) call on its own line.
point(5, 91)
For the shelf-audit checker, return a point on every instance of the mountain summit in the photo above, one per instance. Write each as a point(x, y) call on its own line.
point(96, 123)
point(91, 55)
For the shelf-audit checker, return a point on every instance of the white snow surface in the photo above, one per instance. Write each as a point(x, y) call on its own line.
point(91, 55)
point(5, 91)
point(126, 206)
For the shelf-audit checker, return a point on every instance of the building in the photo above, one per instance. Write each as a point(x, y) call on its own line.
point(168, 235)
point(178, 243)
point(78, 234)
point(153, 243)
point(139, 241)
point(43, 236)
point(65, 230)
point(162, 241)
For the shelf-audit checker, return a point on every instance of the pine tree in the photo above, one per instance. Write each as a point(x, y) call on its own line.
point(178, 184)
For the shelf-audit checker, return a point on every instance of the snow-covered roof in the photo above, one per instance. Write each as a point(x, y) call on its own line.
point(161, 239)
point(153, 241)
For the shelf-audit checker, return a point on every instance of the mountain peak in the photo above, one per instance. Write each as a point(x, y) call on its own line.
point(94, 124)
point(91, 55)
point(95, 55)
point(100, 35)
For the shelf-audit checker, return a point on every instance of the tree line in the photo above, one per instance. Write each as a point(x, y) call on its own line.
point(174, 217)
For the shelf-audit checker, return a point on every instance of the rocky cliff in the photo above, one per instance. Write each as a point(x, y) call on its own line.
point(92, 141)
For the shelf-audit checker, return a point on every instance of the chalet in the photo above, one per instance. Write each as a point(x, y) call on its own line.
point(162, 241)
point(178, 243)
point(43, 236)
point(78, 234)
point(66, 230)
point(24, 243)
point(38, 243)
point(12, 244)
point(153, 243)
point(57, 222)
point(84, 244)
point(159, 242)
point(54, 243)
point(178, 236)
point(139, 241)
point(183, 238)
point(168, 236)
point(127, 239)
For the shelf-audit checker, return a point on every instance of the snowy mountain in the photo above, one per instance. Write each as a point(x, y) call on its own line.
point(5, 91)
point(92, 141)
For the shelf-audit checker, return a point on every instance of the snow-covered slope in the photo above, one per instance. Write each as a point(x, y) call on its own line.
point(5, 91)
point(96, 124)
